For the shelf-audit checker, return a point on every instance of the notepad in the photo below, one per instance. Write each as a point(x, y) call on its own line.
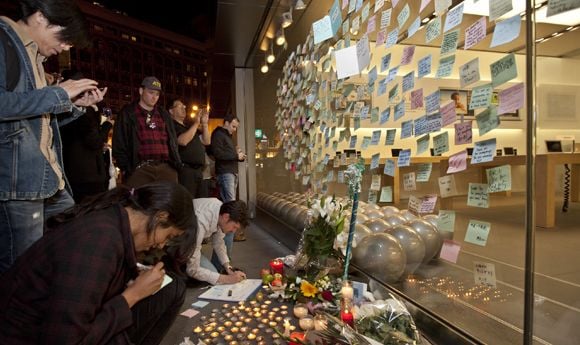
point(232, 292)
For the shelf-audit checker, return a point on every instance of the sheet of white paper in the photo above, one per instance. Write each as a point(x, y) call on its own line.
point(232, 292)
point(346, 62)
point(560, 6)
point(469, 73)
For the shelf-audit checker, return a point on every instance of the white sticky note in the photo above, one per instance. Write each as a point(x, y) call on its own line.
point(386, 194)
point(484, 273)
point(446, 221)
point(432, 29)
point(499, 179)
point(447, 186)
point(409, 182)
point(376, 182)
point(469, 73)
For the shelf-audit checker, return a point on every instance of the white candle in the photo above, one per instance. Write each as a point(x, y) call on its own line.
point(319, 323)
point(306, 323)
point(300, 311)
point(347, 292)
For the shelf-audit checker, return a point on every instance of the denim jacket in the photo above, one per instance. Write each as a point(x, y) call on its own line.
point(25, 174)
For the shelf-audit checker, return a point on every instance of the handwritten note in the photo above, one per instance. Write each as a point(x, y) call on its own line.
point(499, 179)
point(483, 151)
point(433, 29)
point(365, 143)
point(457, 162)
point(404, 158)
point(423, 144)
point(503, 70)
point(365, 11)
point(417, 99)
point(399, 110)
point(390, 137)
point(447, 186)
point(475, 33)
point(382, 88)
point(408, 53)
point(403, 15)
point(432, 102)
point(454, 17)
point(352, 144)
point(560, 6)
point(385, 18)
point(371, 24)
point(450, 251)
point(393, 92)
point(498, 8)
point(408, 81)
point(385, 62)
point(414, 27)
point(446, 221)
point(376, 182)
point(478, 195)
point(441, 6)
point(406, 129)
point(481, 96)
point(449, 44)
point(487, 120)
point(511, 99)
point(448, 114)
point(381, 37)
point(386, 194)
point(379, 4)
point(392, 38)
point(335, 17)
point(506, 31)
point(424, 66)
point(409, 182)
point(441, 143)
point(385, 114)
point(484, 274)
point(477, 232)
point(322, 29)
point(445, 66)
point(392, 74)
point(375, 161)
point(372, 197)
point(389, 167)
point(376, 137)
point(469, 73)
point(424, 172)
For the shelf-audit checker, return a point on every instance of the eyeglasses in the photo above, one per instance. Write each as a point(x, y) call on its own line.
point(182, 106)
point(149, 121)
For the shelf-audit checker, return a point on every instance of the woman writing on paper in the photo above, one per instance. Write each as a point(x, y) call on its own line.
point(79, 284)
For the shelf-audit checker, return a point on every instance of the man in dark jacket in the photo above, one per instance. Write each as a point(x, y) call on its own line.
point(227, 156)
point(144, 140)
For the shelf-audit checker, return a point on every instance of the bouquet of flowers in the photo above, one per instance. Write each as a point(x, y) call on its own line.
point(323, 290)
point(316, 252)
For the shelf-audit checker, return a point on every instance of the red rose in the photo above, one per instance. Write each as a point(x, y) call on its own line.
point(327, 295)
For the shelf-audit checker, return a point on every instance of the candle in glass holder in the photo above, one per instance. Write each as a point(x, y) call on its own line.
point(347, 291)
point(277, 266)
point(306, 323)
point(300, 310)
point(347, 317)
point(320, 323)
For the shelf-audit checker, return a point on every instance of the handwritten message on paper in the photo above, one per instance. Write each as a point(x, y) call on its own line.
point(386, 194)
point(392, 37)
point(441, 6)
point(330, 176)
point(469, 73)
point(450, 251)
point(372, 75)
point(428, 203)
point(463, 133)
point(372, 197)
point(414, 27)
point(365, 11)
point(475, 33)
point(483, 151)
point(445, 66)
point(406, 129)
point(381, 37)
point(392, 74)
point(503, 70)
point(448, 114)
point(404, 158)
point(363, 52)
point(376, 182)
point(484, 273)
point(371, 24)
point(477, 232)
point(417, 99)
point(408, 81)
point(403, 15)
point(365, 143)
point(399, 110)
point(335, 17)
point(487, 120)
point(423, 144)
point(441, 143)
point(506, 31)
point(305, 180)
point(424, 66)
point(447, 186)
point(433, 29)
point(446, 221)
point(386, 18)
point(432, 102)
point(382, 88)
point(389, 167)
point(560, 6)
point(454, 17)
point(352, 144)
point(385, 115)
point(322, 29)
point(375, 161)
point(424, 172)
point(481, 96)
point(379, 4)
point(393, 92)
point(457, 162)
point(498, 8)
point(449, 44)
point(478, 195)
point(390, 137)
point(409, 182)
point(407, 57)
point(376, 137)
point(511, 99)
point(499, 179)
point(385, 62)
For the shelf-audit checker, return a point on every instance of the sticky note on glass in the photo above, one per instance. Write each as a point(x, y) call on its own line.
point(376, 183)
point(477, 232)
point(409, 182)
point(484, 273)
point(441, 143)
point(499, 179)
point(446, 221)
point(457, 162)
point(475, 33)
point(447, 186)
point(424, 172)
point(386, 194)
point(463, 132)
point(483, 151)
point(450, 251)
point(477, 195)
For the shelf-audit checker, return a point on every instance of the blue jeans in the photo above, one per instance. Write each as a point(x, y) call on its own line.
point(227, 184)
point(22, 223)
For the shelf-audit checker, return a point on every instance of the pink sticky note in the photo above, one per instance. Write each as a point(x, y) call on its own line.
point(381, 35)
point(189, 313)
point(428, 203)
point(450, 251)
point(463, 133)
point(408, 53)
point(457, 162)
point(511, 99)
point(448, 114)
point(417, 99)
point(371, 24)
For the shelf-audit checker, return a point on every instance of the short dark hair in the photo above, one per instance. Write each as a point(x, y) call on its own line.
point(230, 117)
point(238, 211)
point(65, 13)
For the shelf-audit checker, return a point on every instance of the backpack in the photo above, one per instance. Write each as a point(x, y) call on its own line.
point(11, 60)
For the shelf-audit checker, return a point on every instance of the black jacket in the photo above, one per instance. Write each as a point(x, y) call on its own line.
point(224, 152)
point(126, 140)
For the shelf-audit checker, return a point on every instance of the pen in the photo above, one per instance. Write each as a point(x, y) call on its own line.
point(142, 267)
point(229, 293)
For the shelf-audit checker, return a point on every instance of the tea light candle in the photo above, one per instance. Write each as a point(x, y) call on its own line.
point(265, 321)
point(300, 310)
point(228, 324)
point(214, 334)
point(208, 329)
point(320, 323)
point(197, 329)
point(244, 329)
point(277, 266)
point(272, 323)
point(347, 290)
point(228, 337)
point(238, 324)
point(306, 323)
point(247, 320)
point(275, 309)
point(284, 307)
point(278, 318)
point(253, 302)
point(251, 336)
point(221, 329)
point(255, 331)
point(235, 330)
point(233, 342)
point(268, 302)
point(226, 305)
point(275, 336)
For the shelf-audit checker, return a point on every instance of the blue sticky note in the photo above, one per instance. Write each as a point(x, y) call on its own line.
point(335, 17)
point(385, 62)
point(385, 114)
point(390, 137)
point(352, 143)
point(382, 88)
point(389, 167)
point(372, 75)
point(408, 81)
point(404, 158)
point(399, 110)
point(406, 129)
point(392, 38)
point(392, 74)
point(376, 137)
point(424, 66)
point(432, 102)
point(375, 161)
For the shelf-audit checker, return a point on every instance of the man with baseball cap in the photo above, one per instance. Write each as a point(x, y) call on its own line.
point(144, 139)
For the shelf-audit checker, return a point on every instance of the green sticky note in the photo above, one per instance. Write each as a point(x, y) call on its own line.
point(499, 179)
point(446, 220)
point(477, 195)
point(423, 143)
point(503, 70)
point(477, 232)
point(487, 120)
point(441, 143)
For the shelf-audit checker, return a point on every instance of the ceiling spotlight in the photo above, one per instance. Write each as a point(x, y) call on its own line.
point(287, 18)
point(299, 5)
point(270, 57)
point(280, 38)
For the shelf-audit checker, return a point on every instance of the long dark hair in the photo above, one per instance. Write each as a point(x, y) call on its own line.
point(149, 199)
